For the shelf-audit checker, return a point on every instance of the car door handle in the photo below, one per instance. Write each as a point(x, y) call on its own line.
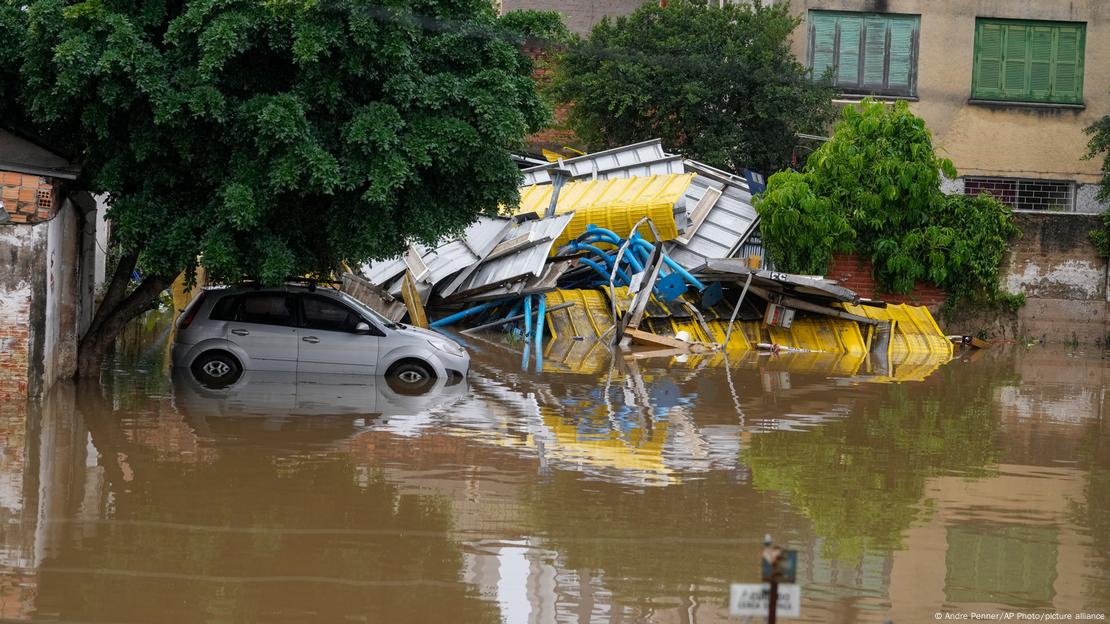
point(240, 332)
point(312, 339)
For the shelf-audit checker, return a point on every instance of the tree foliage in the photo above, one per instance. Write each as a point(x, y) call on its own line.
point(273, 138)
point(1099, 145)
point(278, 137)
point(874, 188)
point(718, 84)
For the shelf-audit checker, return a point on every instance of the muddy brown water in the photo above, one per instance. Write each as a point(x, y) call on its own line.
point(607, 492)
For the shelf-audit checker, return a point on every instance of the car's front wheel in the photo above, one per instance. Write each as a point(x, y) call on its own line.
point(410, 377)
point(217, 369)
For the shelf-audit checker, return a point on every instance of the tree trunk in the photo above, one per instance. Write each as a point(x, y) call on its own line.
point(114, 312)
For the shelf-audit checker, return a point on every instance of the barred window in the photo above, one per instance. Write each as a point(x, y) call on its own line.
point(1022, 194)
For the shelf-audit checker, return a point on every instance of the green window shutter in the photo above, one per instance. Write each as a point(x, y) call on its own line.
point(901, 52)
point(874, 53)
point(847, 70)
point(1068, 66)
point(1015, 84)
point(988, 66)
point(1040, 62)
point(823, 38)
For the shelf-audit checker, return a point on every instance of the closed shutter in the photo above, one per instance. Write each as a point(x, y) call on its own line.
point(1040, 62)
point(847, 73)
point(823, 39)
point(988, 79)
point(1028, 61)
point(1068, 66)
point(1014, 66)
point(874, 53)
point(871, 53)
point(901, 52)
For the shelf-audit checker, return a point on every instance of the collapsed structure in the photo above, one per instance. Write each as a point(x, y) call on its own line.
point(637, 245)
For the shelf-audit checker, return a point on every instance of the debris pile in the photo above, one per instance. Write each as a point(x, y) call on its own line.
point(635, 246)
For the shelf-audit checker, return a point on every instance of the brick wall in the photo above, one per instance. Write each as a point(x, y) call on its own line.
point(558, 134)
point(15, 343)
point(27, 198)
point(852, 273)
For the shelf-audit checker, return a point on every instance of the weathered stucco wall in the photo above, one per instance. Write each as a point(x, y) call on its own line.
point(22, 256)
point(1064, 281)
point(1004, 140)
point(39, 303)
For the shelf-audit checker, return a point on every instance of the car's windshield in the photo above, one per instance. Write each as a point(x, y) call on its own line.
point(367, 310)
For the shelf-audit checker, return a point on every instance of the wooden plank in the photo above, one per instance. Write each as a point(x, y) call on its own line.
point(417, 315)
point(641, 337)
point(701, 211)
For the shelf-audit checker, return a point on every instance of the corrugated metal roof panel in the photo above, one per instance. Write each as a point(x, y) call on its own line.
point(446, 259)
point(527, 262)
point(615, 158)
point(614, 204)
point(726, 225)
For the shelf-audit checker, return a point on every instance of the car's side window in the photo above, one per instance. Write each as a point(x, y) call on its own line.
point(265, 309)
point(328, 315)
point(225, 309)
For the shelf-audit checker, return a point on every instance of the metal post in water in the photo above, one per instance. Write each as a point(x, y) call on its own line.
point(735, 309)
point(539, 330)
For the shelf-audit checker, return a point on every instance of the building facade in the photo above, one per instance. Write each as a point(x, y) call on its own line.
point(51, 259)
point(1007, 88)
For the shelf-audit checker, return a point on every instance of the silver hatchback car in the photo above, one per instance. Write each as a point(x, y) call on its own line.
point(225, 331)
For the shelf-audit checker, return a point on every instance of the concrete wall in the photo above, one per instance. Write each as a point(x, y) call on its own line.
point(1003, 139)
point(578, 15)
point(40, 302)
point(22, 309)
point(1064, 281)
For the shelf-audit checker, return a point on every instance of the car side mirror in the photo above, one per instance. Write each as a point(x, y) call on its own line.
point(363, 327)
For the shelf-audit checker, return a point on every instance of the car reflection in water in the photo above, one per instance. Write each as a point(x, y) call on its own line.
point(308, 408)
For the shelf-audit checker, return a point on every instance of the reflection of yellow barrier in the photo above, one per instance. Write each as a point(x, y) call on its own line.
point(615, 204)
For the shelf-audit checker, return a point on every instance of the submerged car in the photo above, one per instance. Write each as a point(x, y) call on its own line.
point(226, 331)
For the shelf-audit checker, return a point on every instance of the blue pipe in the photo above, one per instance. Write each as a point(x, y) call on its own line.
point(527, 318)
point(576, 246)
point(539, 329)
point(458, 316)
point(593, 229)
point(601, 270)
point(674, 266)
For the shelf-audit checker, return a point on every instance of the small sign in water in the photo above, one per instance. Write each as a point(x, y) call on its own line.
point(755, 598)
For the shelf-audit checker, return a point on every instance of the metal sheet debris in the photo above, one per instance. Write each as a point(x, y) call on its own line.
point(572, 251)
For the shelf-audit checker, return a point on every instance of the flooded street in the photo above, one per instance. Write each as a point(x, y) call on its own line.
point(611, 491)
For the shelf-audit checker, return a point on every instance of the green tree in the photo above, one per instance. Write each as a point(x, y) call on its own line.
point(270, 138)
point(874, 188)
point(1099, 145)
point(718, 84)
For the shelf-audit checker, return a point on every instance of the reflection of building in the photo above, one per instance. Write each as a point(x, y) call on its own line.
point(993, 543)
point(44, 478)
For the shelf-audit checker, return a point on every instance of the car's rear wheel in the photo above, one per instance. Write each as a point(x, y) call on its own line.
point(217, 369)
point(410, 377)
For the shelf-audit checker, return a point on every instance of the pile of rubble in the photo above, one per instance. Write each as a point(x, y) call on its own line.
point(634, 245)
